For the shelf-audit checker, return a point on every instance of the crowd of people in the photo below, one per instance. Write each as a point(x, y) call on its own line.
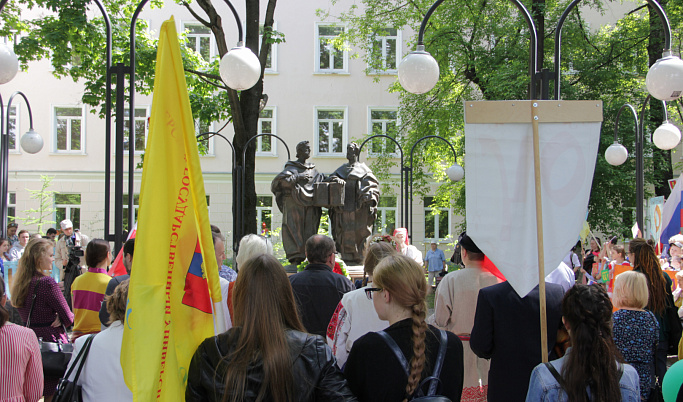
point(315, 336)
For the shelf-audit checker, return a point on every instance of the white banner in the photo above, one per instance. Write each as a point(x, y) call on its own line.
point(501, 206)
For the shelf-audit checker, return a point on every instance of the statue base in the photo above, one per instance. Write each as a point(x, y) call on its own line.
point(355, 271)
point(290, 269)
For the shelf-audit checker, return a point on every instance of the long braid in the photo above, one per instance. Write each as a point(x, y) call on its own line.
point(417, 362)
point(646, 260)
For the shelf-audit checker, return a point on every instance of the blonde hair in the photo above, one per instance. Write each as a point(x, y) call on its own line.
point(630, 290)
point(28, 267)
point(404, 279)
point(251, 246)
point(116, 303)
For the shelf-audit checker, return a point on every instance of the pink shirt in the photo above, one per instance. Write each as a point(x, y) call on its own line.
point(21, 367)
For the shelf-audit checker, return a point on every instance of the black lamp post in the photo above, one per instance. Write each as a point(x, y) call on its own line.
point(400, 150)
point(455, 173)
point(665, 137)
point(31, 142)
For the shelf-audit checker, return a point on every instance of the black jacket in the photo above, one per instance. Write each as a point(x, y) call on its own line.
point(507, 330)
point(375, 374)
point(318, 290)
point(316, 375)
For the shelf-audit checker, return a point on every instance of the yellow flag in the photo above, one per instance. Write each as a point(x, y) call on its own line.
point(174, 279)
point(585, 231)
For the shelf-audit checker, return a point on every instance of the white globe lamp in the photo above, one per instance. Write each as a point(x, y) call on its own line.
point(9, 64)
point(664, 80)
point(455, 172)
point(31, 142)
point(666, 136)
point(616, 154)
point(418, 71)
point(240, 69)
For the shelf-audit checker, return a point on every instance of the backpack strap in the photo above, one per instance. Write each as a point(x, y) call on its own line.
point(443, 342)
point(397, 351)
point(560, 380)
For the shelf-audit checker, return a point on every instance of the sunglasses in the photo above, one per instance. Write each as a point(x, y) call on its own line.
point(368, 292)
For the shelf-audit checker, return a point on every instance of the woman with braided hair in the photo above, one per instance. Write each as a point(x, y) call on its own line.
point(644, 260)
point(592, 369)
point(373, 368)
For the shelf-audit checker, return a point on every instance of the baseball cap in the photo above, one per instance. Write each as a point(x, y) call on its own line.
point(65, 224)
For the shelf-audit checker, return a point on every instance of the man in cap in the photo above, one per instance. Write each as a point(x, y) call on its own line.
point(454, 306)
point(65, 247)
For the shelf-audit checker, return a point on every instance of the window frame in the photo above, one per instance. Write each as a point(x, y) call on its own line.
point(381, 214)
point(399, 52)
point(68, 214)
point(384, 140)
point(148, 109)
point(345, 130)
point(211, 152)
point(55, 137)
point(273, 128)
point(428, 212)
point(259, 214)
point(316, 50)
point(273, 51)
point(213, 48)
point(17, 127)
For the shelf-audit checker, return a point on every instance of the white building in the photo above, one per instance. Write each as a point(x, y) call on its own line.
point(316, 93)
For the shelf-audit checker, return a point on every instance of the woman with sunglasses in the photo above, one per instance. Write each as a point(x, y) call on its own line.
point(374, 370)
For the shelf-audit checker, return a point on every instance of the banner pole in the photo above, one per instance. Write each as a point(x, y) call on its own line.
point(539, 232)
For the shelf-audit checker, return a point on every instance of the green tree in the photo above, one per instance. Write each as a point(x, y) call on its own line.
point(482, 51)
point(75, 45)
point(40, 216)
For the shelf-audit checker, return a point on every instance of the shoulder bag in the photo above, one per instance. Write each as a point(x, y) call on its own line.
point(56, 355)
point(69, 390)
point(433, 380)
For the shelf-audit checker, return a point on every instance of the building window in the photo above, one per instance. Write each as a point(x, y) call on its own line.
point(386, 216)
point(205, 144)
point(140, 127)
point(386, 51)
point(266, 145)
point(13, 127)
point(271, 59)
point(332, 132)
point(331, 57)
point(136, 207)
point(69, 129)
point(437, 226)
point(68, 206)
point(200, 40)
point(383, 122)
point(11, 206)
point(264, 214)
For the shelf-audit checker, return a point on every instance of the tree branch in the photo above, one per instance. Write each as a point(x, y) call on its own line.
point(206, 77)
point(195, 15)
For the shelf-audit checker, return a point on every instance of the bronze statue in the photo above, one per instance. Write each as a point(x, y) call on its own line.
point(352, 222)
point(294, 190)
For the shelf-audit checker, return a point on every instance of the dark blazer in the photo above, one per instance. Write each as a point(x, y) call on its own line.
point(318, 290)
point(375, 374)
point(507, 330)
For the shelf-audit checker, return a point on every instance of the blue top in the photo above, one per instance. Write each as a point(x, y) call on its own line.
point(435, 260)
point(636, 334)
point(544, 387)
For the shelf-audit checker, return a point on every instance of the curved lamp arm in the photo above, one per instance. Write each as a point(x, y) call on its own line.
point(28, 105)
point(558, 37)
point(533, 40)
point(616, 123)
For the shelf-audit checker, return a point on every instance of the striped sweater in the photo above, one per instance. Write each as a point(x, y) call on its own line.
point(87, 294)
point(21, 368)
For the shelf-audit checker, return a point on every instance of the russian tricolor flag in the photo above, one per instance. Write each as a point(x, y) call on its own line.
point(671, 215)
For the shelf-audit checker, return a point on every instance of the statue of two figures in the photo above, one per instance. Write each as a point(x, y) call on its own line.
point(351, 195)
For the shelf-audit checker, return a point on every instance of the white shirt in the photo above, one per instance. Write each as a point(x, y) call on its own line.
point(102, 375)
point(572, 260)
point(16, 252)
point(563, 276)
point(412, 252)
